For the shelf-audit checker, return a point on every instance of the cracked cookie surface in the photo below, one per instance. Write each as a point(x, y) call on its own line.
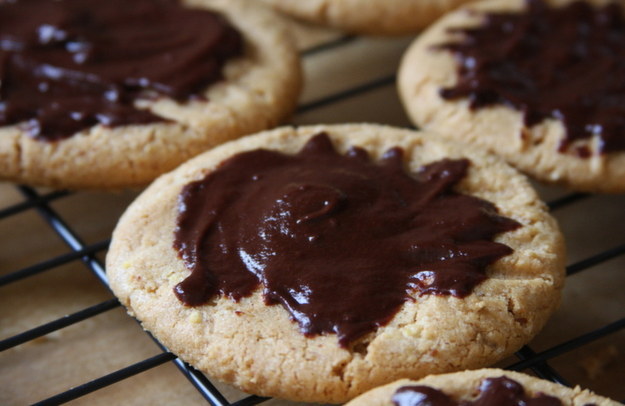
point(259, 349)
point(258, 90)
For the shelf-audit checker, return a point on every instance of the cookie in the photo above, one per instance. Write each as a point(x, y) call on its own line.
point(490, 386)
point(148, 126)
point(470, 274)
point(386, 17)
point(538, 82)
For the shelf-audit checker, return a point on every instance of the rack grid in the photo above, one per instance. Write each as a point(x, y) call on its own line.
point(41, 202)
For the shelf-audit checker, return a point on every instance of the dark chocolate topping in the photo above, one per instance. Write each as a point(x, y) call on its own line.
point(564, 63)
point(500, 391)
point(70, 64)
point(337, 240)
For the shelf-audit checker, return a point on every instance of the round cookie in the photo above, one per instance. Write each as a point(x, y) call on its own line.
point(260, 349)
point(537, 148)
point(384, 17)
point(464, 386)
point(258, 90)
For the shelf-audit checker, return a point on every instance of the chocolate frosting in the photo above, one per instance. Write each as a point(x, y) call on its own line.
point(68, 65)
point(562, 63)
point(500, 391)
point(338, 241)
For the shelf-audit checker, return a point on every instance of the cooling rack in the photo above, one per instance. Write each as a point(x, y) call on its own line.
point(349, 79)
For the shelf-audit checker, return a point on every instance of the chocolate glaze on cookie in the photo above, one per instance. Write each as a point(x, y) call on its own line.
point(68, 65)
point(339, 241)
point(500, 391)
point(563, 63)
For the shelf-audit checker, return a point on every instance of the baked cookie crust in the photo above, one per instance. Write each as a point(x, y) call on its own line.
point(258, 91)
point(259, 349)
point(382, 17)
point(462, 385)
point(425, 70)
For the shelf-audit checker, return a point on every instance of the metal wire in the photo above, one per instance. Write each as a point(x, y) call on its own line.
point(569, 345)
point(58, 324)
point(107, 380)
point(541, 369)
point(18, 208)
point(528, 358)
point(346, 94)
point(53, 262)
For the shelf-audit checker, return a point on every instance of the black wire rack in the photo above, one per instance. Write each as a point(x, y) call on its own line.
point(41, 202)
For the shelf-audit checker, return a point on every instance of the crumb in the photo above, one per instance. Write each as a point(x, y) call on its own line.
point(412, 330)
point(195, 317)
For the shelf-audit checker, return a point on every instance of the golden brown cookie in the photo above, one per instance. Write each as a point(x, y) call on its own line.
point(261, 350)
point(387, 17)
point(465, 386)
point(542, 144)
point(258, 90)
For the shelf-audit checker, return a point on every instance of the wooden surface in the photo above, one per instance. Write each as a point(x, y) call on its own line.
point(112, 340)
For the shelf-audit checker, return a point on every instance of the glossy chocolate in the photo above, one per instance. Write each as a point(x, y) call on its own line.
point(562, 63)
point(500, 391)
point(68, 65)
point(338, 241)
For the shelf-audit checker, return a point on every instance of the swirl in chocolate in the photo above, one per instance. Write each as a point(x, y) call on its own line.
point(564, 63)
point(68, 65)
point(500, 391)
point(338, 241)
